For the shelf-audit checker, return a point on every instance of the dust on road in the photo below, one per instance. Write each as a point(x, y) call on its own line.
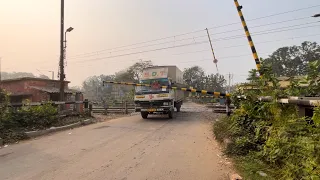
point(125, 148)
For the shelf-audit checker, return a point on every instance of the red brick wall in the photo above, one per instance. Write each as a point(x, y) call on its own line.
point(55, 84)
point(14, 87)
point(38, 96)
point(81, 105)
point(19, 87)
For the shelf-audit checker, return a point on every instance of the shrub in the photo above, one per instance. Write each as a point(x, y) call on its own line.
point(221, 129)
point(271, 137)
point(13, 123)
point(35, 117)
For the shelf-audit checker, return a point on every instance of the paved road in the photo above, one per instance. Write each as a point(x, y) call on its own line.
point(125, 148)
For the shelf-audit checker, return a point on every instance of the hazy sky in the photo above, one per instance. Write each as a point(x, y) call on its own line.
point(29, 38)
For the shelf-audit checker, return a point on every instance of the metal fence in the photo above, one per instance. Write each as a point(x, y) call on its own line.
point(218, 108)
point(83, 107)
point(123, 107)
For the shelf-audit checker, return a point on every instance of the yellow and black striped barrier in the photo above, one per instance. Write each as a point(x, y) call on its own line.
point(246, 29)
point(203, 97)
point(167, 87)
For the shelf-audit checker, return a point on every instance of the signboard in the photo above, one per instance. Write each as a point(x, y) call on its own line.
point(155, 73)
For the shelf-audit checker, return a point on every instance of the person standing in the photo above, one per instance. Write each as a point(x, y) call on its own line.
point(228, 103)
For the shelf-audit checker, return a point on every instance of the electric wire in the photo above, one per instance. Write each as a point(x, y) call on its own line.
point(192, 32)
point(227, 38)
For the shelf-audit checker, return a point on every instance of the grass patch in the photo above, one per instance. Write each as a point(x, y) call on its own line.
point(220, 129)
point(250, 167)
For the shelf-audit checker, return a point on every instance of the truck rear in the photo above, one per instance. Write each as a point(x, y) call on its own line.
point(155, 99)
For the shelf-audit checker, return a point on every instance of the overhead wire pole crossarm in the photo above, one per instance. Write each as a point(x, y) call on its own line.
point(246, 29)
point(174, 88)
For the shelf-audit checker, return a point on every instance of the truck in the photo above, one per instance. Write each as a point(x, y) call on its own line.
point(155, 99)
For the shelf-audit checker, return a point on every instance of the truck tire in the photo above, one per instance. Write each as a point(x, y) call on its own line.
point(170, 114)
point(144, 115)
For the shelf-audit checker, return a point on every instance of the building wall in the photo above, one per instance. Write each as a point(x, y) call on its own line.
point(38, 96)
point(45, 83)
point(22, 87)
point(15, 87)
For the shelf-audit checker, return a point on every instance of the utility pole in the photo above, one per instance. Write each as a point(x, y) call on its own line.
point(229, 89)
point(61, 63)
point(214, 57)
point(0, 71)
point(232, 82)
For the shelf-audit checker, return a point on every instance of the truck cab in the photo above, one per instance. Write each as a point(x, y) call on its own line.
point(155, 98)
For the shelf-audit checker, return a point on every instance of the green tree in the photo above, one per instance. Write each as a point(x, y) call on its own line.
point(43, 76)
point(14, 75)
point(215, 82)
point(293, 60)
point(196, 78)
point(125, 76)
point(4, 100)
point(253, 76)
point(137, 69)
point(313, 79)
point(93, 87)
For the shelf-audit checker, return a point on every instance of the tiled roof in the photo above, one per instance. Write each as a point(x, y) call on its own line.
point(53, 89)
point(29, 78)
point(20, 94)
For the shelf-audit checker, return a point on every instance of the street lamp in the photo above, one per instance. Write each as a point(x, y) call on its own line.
point(65, 41)
point(65, 36)
point(63, 53)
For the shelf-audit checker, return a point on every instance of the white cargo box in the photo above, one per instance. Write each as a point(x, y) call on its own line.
point(156, 72)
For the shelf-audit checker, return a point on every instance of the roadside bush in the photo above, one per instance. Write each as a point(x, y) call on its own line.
point(6, 125)
point(221, 129)
point(285, 145)
point(35, 117)
point(13, 123)
point(271, 137)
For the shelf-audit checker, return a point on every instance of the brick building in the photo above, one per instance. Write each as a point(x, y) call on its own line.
point(38, 90)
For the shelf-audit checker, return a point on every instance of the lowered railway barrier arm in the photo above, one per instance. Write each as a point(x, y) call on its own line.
point(168, 87)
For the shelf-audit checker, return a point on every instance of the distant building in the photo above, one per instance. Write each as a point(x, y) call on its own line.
point(38, 90)
point(284, 83)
